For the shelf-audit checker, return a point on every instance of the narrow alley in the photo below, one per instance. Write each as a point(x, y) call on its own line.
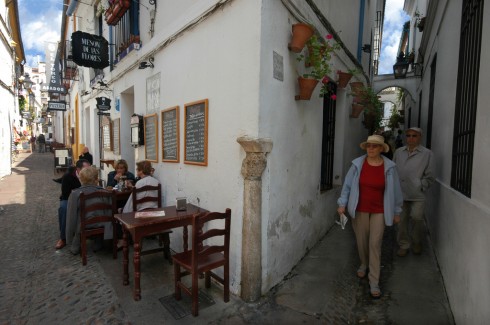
point(39, 285)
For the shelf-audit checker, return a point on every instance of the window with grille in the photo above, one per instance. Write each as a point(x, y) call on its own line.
point(430, 113)
point(467, 95)
point(125, 35)
point(328, 138)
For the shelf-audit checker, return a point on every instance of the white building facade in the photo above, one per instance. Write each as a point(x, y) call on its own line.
point(234, 54)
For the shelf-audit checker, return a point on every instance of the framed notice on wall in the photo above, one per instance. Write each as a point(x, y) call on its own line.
point(151, 139)
point(170, 134)
point(106, 134)
point(116, 142)
point(196, 133)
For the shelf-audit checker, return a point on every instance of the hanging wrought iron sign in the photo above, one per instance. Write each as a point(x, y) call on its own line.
point(90, 50)
point(103, 103)
point(56, 105)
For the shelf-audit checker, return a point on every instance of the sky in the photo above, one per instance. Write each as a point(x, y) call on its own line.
point(40, 22)
point(395, 17)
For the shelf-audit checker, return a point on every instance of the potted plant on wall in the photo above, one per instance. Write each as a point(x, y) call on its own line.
point(345, 77)
point(301, 34)
point(320, 52)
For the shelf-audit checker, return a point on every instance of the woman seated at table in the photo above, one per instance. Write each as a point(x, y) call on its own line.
point(89, 178)
point(143, 173)
point(121, 169)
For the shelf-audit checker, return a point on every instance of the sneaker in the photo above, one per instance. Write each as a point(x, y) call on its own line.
point(57, 180)
point(402, 252)
point(417, 249)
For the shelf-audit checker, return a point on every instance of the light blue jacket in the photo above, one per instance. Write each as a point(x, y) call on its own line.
point(393, 198)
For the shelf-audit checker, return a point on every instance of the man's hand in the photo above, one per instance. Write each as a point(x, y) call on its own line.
point(396, 219)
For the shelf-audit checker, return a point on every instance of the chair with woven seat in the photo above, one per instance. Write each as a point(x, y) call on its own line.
point(204, 258)
point(152, 198)
point(96, 208)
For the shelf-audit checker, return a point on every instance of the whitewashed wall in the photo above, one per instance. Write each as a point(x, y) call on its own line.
point(459, 225)
point(227, 58)
point(296, 214)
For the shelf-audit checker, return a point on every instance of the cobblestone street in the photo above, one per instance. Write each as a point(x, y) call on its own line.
point(39, 285)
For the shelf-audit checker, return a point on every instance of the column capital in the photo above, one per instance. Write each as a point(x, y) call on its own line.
point(255, 162)
point(250, 144)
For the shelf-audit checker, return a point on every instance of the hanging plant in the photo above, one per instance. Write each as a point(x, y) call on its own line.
point(320, 53)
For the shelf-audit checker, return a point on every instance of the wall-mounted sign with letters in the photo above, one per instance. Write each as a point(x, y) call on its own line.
point(90, 50)
point(103, 103)
point(56, 105)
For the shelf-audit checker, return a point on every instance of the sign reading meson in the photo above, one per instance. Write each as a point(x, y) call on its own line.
point(90, 50)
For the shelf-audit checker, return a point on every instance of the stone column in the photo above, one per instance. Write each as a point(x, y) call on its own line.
point(252, 167)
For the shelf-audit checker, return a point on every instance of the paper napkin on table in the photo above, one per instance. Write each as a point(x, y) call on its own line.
point(149, 214)
point(343, 221)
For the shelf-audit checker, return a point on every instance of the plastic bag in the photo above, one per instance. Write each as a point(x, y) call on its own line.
point(343, 221)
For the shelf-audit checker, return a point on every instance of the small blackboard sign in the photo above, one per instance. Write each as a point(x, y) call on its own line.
point(170, 134)
point(106, 133)
point(151, 139)
point(196, 133)
point(116, 136)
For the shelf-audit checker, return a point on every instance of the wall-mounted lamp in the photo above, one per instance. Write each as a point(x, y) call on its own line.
point(149, 64)
point(400, 70)
point(366, 48)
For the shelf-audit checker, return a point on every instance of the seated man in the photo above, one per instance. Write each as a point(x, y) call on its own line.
point(69, 182)
point(143, 172)
point(89, 178)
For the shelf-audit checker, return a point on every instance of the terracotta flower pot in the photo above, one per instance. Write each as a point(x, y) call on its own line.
point(344, 78)
point(356, 110)
point(306, 88)
point(301, 34)
point(357, 88)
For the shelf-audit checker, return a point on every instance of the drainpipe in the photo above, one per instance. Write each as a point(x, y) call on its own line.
point(361, 30)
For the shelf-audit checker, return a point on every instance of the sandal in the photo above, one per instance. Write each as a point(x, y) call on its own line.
point(375, 291)
point(361, 272)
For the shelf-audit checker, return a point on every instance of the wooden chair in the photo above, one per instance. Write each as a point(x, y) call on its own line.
point(96, 208)
point(154, 194)
point(203, 259)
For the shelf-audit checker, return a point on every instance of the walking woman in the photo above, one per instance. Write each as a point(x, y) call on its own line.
point(373, 197)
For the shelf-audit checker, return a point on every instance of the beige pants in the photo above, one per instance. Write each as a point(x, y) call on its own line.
point(369, 229)
point(411, 211)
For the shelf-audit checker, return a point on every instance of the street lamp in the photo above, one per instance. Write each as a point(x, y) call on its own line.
point(26, 81)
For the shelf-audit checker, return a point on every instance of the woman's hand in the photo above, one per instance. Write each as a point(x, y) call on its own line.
point(396, 219)
point(341, 210)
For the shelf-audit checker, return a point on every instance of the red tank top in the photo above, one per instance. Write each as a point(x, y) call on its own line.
point(371, 188)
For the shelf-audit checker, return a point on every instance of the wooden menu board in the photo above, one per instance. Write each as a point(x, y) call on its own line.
point(151, 139)
point(106, 134)
point(170, 134)
point(196, 133)
point(116, 142)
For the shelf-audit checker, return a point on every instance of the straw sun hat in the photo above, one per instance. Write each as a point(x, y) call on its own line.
point(375, 139)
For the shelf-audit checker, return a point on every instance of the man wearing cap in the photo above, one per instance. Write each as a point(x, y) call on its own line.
point(414, 163)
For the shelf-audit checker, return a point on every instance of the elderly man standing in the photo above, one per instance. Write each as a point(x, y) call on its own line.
point(87, 156)
point(414, 163)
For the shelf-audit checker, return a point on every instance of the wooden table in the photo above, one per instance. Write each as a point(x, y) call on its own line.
point(143, 227)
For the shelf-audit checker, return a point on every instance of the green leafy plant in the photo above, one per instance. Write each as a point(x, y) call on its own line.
point(395, 118)
point(320, 53)
point(373, 109)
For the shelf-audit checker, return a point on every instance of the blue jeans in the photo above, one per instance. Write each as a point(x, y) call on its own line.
point(62, 218)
